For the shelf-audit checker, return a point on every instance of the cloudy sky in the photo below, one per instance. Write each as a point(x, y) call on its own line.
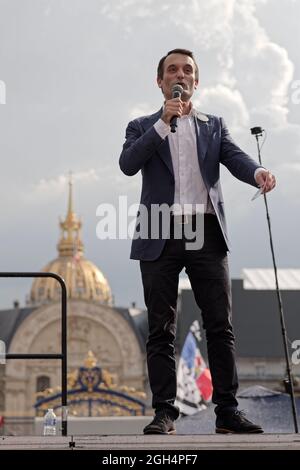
point(76, 71)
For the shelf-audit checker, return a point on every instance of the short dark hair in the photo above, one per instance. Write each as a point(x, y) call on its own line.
point(160, 68)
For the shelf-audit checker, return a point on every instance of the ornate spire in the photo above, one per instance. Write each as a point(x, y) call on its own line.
point(70, 200)
point(90, 361)
point(70, 243)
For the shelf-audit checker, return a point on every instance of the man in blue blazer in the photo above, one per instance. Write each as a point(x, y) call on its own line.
point(181, 171)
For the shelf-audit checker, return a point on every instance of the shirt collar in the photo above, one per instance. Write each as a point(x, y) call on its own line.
point(194, 112)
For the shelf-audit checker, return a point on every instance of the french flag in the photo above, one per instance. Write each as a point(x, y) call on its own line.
point(194, 385)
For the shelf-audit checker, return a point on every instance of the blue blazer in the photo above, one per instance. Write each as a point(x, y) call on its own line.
point(145, 150)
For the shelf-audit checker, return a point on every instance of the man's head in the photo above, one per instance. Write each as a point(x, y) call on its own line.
point(178, 66)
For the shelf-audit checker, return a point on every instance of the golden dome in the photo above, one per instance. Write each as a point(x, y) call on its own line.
point(83, 279)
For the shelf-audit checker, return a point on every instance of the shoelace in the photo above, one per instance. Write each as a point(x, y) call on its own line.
point(241, 414)
point(162, 417)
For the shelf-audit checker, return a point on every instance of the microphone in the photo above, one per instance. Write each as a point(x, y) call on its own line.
point(177, 91)
point(256, 130)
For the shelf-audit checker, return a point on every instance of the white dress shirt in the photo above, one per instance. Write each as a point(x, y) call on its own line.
point(189, 185)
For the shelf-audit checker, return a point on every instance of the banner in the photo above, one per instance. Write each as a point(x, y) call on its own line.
point(194, 386)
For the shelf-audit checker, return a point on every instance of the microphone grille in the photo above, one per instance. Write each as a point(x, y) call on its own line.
point(177, 90)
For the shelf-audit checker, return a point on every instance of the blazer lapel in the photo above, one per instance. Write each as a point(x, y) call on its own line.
point(165, 154)
point(202, 127)
point(164, 148)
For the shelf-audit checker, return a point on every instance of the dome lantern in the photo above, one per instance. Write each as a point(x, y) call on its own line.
point(83, 279)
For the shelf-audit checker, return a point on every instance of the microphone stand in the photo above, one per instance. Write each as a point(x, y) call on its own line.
point(258, 132)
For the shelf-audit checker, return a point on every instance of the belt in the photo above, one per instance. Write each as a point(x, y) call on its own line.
point(189, 218)
point(183, 218)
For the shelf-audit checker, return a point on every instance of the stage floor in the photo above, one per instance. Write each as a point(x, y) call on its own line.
point(159, 442)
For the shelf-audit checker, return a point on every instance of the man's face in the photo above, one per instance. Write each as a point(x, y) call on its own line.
point(178, 68)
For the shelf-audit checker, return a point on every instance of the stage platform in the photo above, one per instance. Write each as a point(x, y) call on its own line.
point(159, 442)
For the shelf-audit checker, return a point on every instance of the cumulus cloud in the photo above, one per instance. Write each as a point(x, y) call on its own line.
point(47, 189)
point(105, 178)
point(141, 109)
point(256, 71)
point(227, 102)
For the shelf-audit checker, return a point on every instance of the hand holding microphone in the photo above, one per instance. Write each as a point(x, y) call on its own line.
point(173, 108)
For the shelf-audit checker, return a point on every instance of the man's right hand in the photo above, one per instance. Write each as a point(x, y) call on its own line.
point(173, 107)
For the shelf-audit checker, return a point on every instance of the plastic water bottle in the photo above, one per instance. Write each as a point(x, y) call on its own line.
point(50, 423)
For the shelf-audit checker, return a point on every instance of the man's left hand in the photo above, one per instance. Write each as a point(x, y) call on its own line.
point(265, 180)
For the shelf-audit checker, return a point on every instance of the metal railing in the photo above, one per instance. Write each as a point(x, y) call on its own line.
point(63, 355)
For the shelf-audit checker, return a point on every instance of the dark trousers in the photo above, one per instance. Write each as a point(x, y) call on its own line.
point(207, 269)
